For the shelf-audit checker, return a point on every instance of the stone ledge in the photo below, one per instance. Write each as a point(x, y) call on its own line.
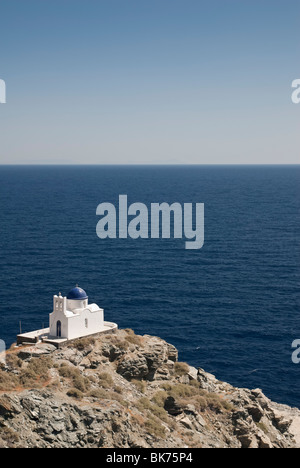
point(42, 336)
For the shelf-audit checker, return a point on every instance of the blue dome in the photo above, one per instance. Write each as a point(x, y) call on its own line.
point(77, 294)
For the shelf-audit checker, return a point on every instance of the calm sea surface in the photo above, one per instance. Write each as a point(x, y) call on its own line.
point(231, 307)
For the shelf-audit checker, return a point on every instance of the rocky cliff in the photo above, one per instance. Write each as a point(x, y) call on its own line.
point(129, 391)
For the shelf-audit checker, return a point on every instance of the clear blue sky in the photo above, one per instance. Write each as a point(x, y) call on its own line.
point(149, 81)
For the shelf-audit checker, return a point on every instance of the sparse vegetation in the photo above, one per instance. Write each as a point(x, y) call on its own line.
point(185, 394)
point(82, 344)
point(31, 375)
point(40, 366)
point(36, 373)
point(118, 389)
point(133, 338)
point(167, 386)
point(75, 393)
point(13, 361)
point(183, 391)
point(8, 381)
point(262, 427)
point(144, 404)
point(67, 371)
point(159, 398)
point(79, 382)
point(99, 393)
point(121, 344)
point(105, 380)
point(181, 368)
point(28, 378)
point(102, 394)
point(140, 385)
point(155, 428)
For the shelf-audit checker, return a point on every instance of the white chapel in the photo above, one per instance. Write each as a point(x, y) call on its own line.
point(73, 316)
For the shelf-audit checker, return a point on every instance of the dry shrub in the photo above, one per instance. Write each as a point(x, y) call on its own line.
point(28, 378)
point(75, 393)
point(67, 371)
point(105, 380)
point(82, 344)
point(121, 344)
point(203, 400)
point(159, 412)
point(159, 398)
point(262, 427)
point(118, 389)
point(183, 391)
point(40, 366)
point(181, 368)
point(36, 373)
point(102, 394)
point(7, 381)
point(13, 361)
point(166, 386)
point(155, 428)
point(144, 404)
point(92, 379)
point(210, 401)
point(99, 393)
point(140, 385)
point(132, 338)
point(200, 403)
point(79, 382)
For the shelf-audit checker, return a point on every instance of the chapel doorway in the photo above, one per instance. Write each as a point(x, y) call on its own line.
point(58, 329)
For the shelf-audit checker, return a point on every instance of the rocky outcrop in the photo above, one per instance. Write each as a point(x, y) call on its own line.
point(129, 391)
point(153, 361)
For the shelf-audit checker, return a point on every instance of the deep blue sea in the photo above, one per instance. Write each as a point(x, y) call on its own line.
point(231, 308)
